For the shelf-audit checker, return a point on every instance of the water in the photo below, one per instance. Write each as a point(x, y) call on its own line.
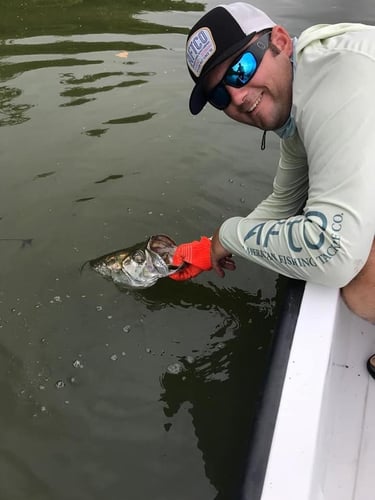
point(107, 393)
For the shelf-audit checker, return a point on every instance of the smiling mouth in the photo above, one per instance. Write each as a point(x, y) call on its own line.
point(254, 106)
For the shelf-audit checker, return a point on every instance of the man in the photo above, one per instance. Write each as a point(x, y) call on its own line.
point(316, 93)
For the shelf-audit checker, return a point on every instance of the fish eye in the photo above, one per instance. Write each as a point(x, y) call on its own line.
point(139, 256)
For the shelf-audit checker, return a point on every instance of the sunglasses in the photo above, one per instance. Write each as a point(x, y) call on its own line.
point(240, 72)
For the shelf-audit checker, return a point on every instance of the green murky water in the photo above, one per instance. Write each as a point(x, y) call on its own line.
point(107, 394)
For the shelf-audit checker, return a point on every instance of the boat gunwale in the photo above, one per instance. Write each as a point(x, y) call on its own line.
point(270, 393)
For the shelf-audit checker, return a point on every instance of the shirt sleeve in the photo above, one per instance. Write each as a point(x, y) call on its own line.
point(318, 224)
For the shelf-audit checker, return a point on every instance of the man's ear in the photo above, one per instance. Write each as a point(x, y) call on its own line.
point(282, 40)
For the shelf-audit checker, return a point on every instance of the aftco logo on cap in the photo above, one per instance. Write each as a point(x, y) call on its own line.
point(200, 47)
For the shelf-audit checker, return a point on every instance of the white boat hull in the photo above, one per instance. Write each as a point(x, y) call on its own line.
point(323, 444)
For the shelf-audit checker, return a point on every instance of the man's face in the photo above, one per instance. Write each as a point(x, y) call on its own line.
point(265, 101)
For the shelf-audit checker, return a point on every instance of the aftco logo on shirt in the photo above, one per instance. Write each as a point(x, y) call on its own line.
point(312, 240)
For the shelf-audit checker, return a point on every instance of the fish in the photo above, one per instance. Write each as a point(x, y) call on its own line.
point(139, 266)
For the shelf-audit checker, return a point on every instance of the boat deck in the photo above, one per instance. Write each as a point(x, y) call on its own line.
point(323, 445)
point(348, 439)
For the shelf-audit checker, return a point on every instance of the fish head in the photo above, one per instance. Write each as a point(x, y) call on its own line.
point(141, 269)
point(139, 266)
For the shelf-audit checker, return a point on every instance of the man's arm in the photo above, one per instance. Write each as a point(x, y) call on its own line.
point(330, 241)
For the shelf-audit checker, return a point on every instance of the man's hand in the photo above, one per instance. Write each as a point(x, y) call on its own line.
point(220, 257)
point(198, 256)
point(194, 257)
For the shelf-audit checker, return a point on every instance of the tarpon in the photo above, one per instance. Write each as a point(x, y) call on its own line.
point(139, 266)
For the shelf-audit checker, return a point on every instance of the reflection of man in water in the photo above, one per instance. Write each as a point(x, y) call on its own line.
point(214, 383)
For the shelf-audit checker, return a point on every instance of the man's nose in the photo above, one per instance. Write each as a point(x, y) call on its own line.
point(237, 95)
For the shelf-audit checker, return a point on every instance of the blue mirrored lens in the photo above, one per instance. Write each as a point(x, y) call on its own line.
point(241, 71)
point(219, 97)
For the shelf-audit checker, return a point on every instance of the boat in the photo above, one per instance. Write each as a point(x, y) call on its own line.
point(314, 434)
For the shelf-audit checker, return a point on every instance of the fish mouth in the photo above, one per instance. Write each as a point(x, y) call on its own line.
point(163, 246)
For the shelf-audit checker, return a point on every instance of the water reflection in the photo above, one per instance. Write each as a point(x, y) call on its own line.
point(9, 70)
point(78, 89)
point(109, 178)
point(115, 121)
point(29, 41)
point(68, 17)
point(25, 242)
point(131, 119)
point(96, 132)
point(12, 113)
point(78, 93)
point(189, 294)
point(212, 382)
point(87, 198)
point(44, 174)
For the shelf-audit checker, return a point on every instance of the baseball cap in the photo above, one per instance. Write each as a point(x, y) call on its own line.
point(219, 34)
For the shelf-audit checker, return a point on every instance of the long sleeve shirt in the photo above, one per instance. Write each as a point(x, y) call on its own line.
point(319, 222)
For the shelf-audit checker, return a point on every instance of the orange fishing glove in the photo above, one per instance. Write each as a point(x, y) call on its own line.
point(194, 257)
